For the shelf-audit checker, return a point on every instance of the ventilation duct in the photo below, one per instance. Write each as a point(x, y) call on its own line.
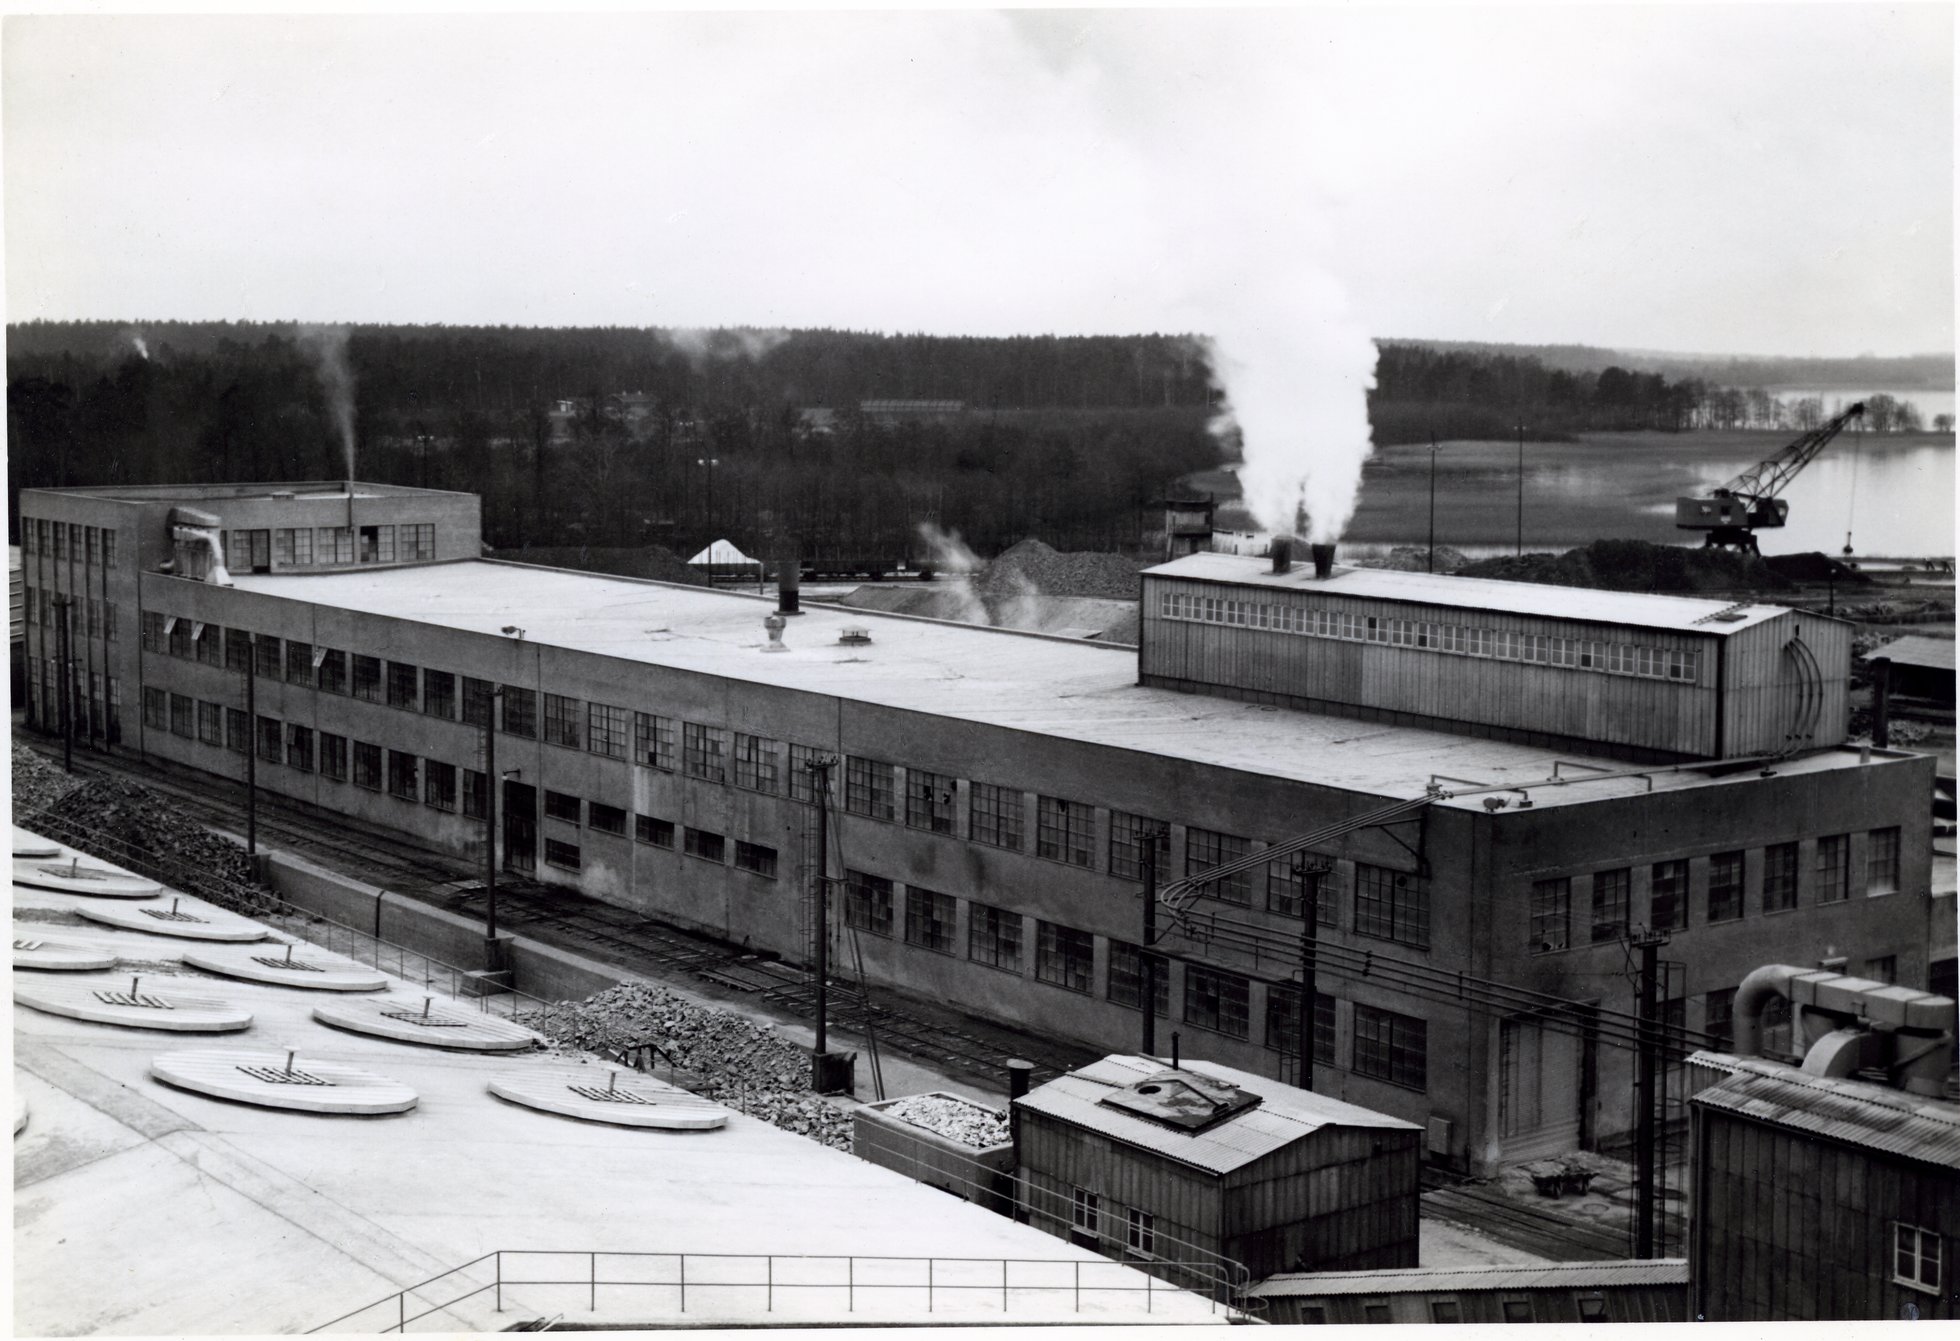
point(1844, 1025)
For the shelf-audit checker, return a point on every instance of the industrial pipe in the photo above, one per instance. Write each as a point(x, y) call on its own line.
point(1323, 561)
point(1282, 551)
point(1771, 980)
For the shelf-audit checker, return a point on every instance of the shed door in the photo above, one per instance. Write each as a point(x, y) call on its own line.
point(1541, 1089)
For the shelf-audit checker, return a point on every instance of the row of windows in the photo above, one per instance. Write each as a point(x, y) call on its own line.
point(1087, 1215)
point(95, 698)
point(88, 617)
point(1551, 925)
point(1639, 659)
point(69, 541)
point(609, 819)
point(309, 546)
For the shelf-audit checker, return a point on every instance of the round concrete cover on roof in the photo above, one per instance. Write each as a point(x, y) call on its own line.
point(33, 951)
point(33, 845)
point(75, 877)
point(208, 924)
point(290, 966)
point(133, 1002)
point(283, 1080)
point(422, 1020)
point(596, 1093)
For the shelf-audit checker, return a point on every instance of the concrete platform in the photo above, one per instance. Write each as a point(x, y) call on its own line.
point(53, 955)
point(595, 1092)
point(407, 1019)
point(306, 967)
point(88, 879)
point(183, 923)
point(27, 844)
point(302, 1084)
point(130, 1003)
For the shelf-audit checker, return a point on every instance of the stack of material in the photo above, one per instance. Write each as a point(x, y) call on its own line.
point(1415, 559)
point(1051, 572)
point(38, 784)
point(954, 1119)
point(715, 1053)
point(142, 827)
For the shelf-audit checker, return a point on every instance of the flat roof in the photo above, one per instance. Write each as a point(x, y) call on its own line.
point(1436, 1280)
point(1284, 1115)
point(1917, 1127)
point(1061, 687)
point(1916, 649)
point(213, 493)
point(1682, 614)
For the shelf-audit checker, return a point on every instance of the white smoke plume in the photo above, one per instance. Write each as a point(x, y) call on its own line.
point(951, 559)
point(328, 346)
point(703, 346)
point(142, 349)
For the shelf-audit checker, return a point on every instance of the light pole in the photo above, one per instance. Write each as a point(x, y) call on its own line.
point(1432, 502)
point(709, 463)
point(62, 602)
point(492, 783)
point(1521, 487)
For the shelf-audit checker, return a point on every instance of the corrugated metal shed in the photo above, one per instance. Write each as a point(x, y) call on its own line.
point(1684, 614)
point(1916, 649)
point(1553, 1276)
point(1853, 1111)
point(1284, 1115)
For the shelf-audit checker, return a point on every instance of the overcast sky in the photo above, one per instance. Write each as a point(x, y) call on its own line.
point(1747, 178)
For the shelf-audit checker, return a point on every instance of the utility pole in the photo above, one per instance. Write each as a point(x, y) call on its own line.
point(62, 604)
point(252, 750)
point(1520, 486)
point(1432, 502)
point(1309, 962)
point(1148, 843)
point(821, 768)
point(1645, 1191)
point(492, 783)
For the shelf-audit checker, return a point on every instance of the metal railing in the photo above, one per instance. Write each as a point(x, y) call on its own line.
point(667, 1283)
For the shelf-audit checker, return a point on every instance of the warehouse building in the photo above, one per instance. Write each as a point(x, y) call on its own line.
point(992, 787)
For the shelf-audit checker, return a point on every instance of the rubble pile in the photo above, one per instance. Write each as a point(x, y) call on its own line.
point(139, 826)
point(1415, 559)
point(954, 1119)
point(717, 1054)
point(38, 783)
point(1053, 572)
point(1636, 565)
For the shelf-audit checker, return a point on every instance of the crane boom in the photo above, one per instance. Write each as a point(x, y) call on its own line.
point(1732, 514)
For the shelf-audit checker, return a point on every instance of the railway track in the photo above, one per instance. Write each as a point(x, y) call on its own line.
point(1553, 1237)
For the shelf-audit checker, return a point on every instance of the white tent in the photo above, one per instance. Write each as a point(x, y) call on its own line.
point(721, 554)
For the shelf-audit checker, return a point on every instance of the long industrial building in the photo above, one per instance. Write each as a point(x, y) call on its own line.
point(1507, 779)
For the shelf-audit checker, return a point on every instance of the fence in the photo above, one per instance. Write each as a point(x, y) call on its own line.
point(805, 1285)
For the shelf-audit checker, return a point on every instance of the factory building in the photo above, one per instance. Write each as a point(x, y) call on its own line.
point(992, 787)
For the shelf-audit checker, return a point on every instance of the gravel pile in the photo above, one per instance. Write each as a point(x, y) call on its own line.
point(725, 1057)
point(1415, 559)
point(955, 1119)
point(38, 783)
point(140, 826)
point(1054, 573)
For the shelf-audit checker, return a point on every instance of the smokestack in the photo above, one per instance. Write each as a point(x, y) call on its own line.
point(1323, 561)
point(1282, 550)
point(789, 576)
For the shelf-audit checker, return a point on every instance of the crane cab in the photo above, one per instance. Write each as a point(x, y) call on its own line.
point(1729, 519)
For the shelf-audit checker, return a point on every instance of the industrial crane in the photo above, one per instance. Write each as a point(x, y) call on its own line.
point(1732, 514)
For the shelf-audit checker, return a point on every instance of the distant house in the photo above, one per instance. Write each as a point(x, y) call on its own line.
point(914, 411)
point(816, 421)
point(631, 408)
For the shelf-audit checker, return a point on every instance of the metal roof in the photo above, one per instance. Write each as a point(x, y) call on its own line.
point(1916, 649)
point(1423, 1280)
point(1683, 614)
point(1917, 1127)
point(1286, 1114)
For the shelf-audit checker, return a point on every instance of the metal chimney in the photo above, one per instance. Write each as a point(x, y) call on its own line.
point(1323, 561)
point(789, 576)
point(1282, 551)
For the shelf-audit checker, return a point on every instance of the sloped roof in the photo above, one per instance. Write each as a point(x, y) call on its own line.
point(1422, 1280)
point(721, 552)
point(1284, 1115)
point(1916, 649)
point(1917, 1127)
point(1683, 614)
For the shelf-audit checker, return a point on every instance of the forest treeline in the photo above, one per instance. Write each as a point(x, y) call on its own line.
point(627, 437)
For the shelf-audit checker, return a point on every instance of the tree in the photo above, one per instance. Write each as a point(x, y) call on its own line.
point(1942, 423)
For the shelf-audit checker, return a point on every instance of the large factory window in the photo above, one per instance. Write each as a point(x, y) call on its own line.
point(1204, 849)
point(1126, 977)
point(238, 730)
point(1391, 905)
point(993, 936)
point(476, 794)
point(333, 756)
point(367, 765)
point(756, 763)
point(479, 700)
point(211, 723)
point(1126, 836)
point(439, 694)
point(336, 544)
point(703, 843)
point(929, 800)
point(704, 752)
point(108, 548)
point(418, 541)
point(605, 818)
point(299, 663)
point(996, 817)
point(869, 788)
point(153, 640)
point(299, 747)
point(404, 776)
point(1065, 831)
point(1391, 1047)
point(1611, 892)
point(1725, 887)
point(656, 832)
point(868, 903)
point(1218, 1001)
point(520, 712)
point(1064, 956)
point(403, 685)
point(267, 663)
point(1286, 877)
point(1779, 877)
point(562, 722)
point(755, 859)
point(1283, 1022)
point(1667, 908)
point(238, 650)
point(562, 806)
point(183, 716)
point(606, 730)
point(930, 919)
point(1551, 915)
point(803, 778)
point(367, 677)
point(210, 644)
point(180, 638)
point(271, 740)
point(438, 784)
point(1882, 862)
point(653, 741)
point(377, 544)
point(292, 548)
point(561, 854)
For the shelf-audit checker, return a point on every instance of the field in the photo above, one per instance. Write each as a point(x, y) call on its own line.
point(1895, 494)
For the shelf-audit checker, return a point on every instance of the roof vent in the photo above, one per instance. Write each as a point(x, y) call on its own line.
point(1182, 1099)
point(854, 636)
point(1733, 614)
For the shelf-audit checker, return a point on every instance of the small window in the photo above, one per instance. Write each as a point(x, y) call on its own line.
point(757, 763)
point(606, 730)
point(605, 818)
point(995, 815)
point(1882, 862)
point(367, 677)
point(1611, 891)
point(1204, 849)
point(1217, 1001)
point(993, 936)
point(1779, 877)
point(755, 859)
point(653, 741)
point(1064, 956)
point(1065, 831)
point(272, 740)
point(929, 800)
point(404, 775)
point(869, 787)
point(476, 795)
point(704, 752)
point(705, 845)
point(1444, 1310)
point(1551, 915)
point(1085, 1210)
point(561, 854)
point(1916, 1256)
point(658, 832)
point(1126, 974)
point(439, 785)
point(333, 672)
point(1668, 901)
point(299, 747)
point(1140, 1232)
point(1592, 1308)
point(333, 756)
point(478, 698)
point(1375, 1313)
point(562, 806)
point(1518, 1310)
point(1725, 887)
